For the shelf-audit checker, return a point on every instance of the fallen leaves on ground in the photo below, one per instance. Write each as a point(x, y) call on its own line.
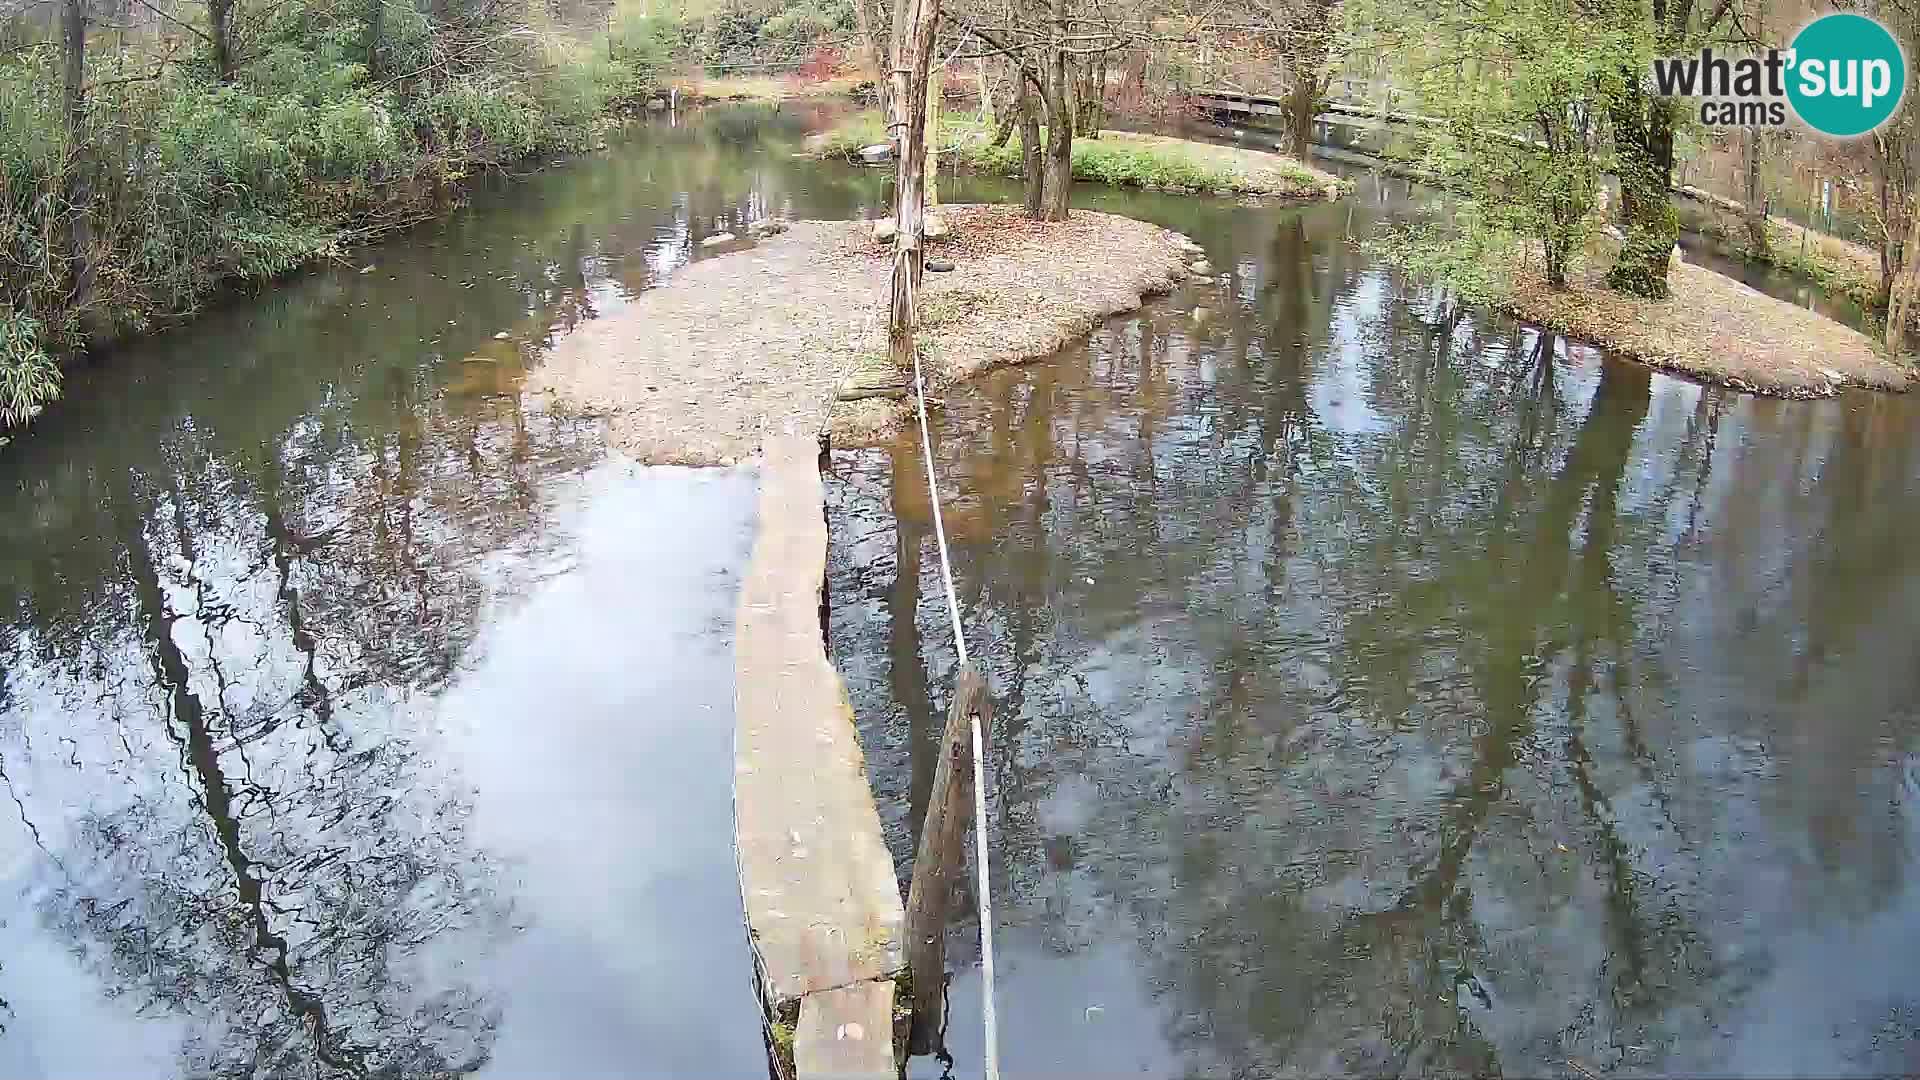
point(1715, 329)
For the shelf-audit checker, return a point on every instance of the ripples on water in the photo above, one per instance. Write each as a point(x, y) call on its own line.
point(1381, 687)
point(1389, 689)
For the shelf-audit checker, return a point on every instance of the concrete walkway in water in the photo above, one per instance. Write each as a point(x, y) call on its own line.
point(822, 905)
point(747, 352)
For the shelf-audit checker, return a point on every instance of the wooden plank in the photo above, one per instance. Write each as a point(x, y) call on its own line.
point(937, 864)
point(846, 1034)
point(822, 905)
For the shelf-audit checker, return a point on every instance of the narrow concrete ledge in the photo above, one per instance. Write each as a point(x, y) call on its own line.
point(836, 1039)
point(823, 910)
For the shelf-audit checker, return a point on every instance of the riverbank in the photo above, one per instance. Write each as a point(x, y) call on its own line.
point(301, 154)
point(1120, 158)
point(1840, 267)
point(1714, 329)
point(697, 371)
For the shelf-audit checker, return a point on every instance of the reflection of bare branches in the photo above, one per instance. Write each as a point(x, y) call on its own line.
point(171, 675)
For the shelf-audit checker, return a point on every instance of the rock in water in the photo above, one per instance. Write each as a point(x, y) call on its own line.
point(717, 239)
point(766, 227)
point(877, 154)
point(1201, 268)
point(656, 104)
point(939, 266)
point(884, 230)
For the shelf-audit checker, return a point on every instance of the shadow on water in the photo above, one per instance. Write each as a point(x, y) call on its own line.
point(358, 715)
point(1388, 688)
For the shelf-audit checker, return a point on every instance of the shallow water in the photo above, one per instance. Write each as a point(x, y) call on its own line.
point(1389, 689)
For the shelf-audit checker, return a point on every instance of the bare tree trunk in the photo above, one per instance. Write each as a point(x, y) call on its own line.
point(79, 178)
point(1090, 100)
point(986, 93)
point(1005, 131)
point(1900, 299)
point(936, 86)
point(914, 30)
point(220, 25)
point(376, 33)
point(1309, 56)
point(1059, 121)
point(1032, 157)
point(1756, 203)
point(1643, 138)
point(874, 55)
point(1892, 166)
point(938, 859)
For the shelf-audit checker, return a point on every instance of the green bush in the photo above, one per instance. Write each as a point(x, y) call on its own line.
point(191, 182)
point(28, 376)
point(1469, 253)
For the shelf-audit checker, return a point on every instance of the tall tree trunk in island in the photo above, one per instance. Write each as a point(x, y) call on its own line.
point(376, 31)
point(936, 87)
point(873, 54)
point(1090, 98)
point(915, 31)
point(79, 173)
point(1900, 297)
point(985, 84)
point(1643, 139)
point(1033, 167)
point(220, 25)
point(1755, 199)
point(1059, 120)
point(1310, 56)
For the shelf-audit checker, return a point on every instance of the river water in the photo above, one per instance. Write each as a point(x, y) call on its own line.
point(1381, 686)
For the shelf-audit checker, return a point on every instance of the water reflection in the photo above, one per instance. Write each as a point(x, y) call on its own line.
point(1388, 689)
point(357, 718)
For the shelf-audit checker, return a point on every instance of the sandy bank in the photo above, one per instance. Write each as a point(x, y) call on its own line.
point(694, 372)
point(1715, 329)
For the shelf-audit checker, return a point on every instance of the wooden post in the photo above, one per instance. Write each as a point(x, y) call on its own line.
point(937, 863)
point(914, 33)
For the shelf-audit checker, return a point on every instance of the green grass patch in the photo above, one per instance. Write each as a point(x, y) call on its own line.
point(1120, 159)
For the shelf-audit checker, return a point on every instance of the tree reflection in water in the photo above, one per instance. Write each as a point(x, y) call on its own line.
point(1390, 689)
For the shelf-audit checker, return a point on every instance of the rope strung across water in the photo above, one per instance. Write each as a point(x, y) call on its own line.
point(980, 876)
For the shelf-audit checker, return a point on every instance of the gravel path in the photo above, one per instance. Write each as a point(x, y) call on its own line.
point(696, 371)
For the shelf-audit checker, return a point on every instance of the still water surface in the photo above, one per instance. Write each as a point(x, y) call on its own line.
point(1385, 688)
point(360, 716)
point(1381, 687)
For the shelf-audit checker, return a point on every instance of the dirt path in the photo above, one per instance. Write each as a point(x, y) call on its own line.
point(696, 371)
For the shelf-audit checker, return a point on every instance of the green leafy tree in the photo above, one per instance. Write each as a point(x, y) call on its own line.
point(1522, 89)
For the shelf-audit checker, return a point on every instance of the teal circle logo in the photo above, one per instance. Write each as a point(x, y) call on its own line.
point(1846, 76)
